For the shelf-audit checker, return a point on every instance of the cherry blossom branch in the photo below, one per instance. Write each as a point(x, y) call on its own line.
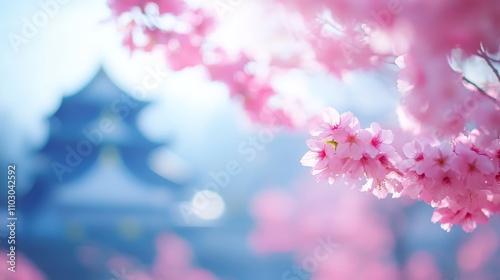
point(488, 57)
point(325, 21)
point(483, 54)
point(481, 90)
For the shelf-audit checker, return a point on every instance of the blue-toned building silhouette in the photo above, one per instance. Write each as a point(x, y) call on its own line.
point(97, 179)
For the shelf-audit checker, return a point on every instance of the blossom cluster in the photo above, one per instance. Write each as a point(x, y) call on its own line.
point(185, 42)
point(342, 149)
point(430, 42)
point(459, 177)
point(340, 36)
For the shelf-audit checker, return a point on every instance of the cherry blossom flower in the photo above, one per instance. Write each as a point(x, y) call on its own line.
point(415, 157)
point(380, 142)
point(438, 159)
point(351, 143)
point(333, 121)
point(467, 218)
point(473, 166)
point(317, 158)
point(453, 121)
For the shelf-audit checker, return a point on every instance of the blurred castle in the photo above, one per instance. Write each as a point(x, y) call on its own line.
point(98, 177)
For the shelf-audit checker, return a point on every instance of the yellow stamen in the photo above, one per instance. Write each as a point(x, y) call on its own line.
point(332, 142)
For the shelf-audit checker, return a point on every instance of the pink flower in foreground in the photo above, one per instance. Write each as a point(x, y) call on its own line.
point(380, 142)
point(317, 157)
point(414, 184)
point(438, 159)
point(365, 166)
point(473, 166)
point(334, 121)
point(414, 151)
point(444, 184)
point(460, 173)
point(468, 218)
point(351, 143)
point(354, 154)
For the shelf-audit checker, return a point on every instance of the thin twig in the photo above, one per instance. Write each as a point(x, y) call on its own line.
point(481, 90)
point(389, 62)
point(487, 59)
point(331, 24)
point(487, 56)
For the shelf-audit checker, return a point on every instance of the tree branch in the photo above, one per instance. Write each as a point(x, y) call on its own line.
point(483, 54)
point(489, 57)
point(482, 91)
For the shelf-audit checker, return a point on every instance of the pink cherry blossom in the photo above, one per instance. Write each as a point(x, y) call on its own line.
point(438, 159)
point(457, 177)
point(317, 158)
point(380, 142)
point(473, 166)
point(444, 184)
point(467, 218)
point(449, 118)
point(351, 143)
point(333, 121)
point(415, 157)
